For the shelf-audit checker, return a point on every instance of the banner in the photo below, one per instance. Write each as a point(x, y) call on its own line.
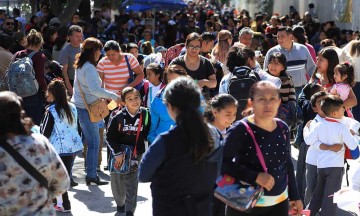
point(343, 10)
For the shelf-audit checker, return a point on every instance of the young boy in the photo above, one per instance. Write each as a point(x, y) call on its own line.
point(311, 153)
point(330, 161)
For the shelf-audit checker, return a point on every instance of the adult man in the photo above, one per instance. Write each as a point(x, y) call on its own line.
point(114, 71)
point(245, 37)
point(8, 26)
point(21, 20)
point(207, 44)
point(68, 53)
point(299, 61)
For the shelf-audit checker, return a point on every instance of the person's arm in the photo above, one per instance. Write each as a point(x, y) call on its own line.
point(210, 82)
point(310, 134)
point(152, 160)
point(232, 147)
point(155, 120)
point(91, 80)
point(310, 64)
point(66, 79)
point(350, 140)
point(113, 135)
point(292, 94)
point(47, 124)
point(351, 101)
point(224, 85)
point(39, 68)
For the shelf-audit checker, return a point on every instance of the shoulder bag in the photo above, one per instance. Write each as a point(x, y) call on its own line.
point(97, 110)
point(130, 163)
point(240, 195)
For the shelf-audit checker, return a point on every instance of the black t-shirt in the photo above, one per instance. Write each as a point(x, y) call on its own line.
point(203, 72)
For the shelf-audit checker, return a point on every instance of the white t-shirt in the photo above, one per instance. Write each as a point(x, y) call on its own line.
point(152, 91)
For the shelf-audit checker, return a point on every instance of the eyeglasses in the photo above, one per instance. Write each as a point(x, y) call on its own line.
point(194, 47)
point(9, 23)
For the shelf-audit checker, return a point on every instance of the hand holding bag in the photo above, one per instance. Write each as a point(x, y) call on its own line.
point(97, 110)
point(240, 195)
point(130, 162)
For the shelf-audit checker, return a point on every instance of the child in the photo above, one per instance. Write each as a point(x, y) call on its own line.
point(311, 153)
point(154, 82)
point(325, 136)
point(60, 126)
point(123, 130)
point(221, 113)
point(345, 80)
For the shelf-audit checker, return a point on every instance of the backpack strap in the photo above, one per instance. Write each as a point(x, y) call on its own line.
point(32, 54)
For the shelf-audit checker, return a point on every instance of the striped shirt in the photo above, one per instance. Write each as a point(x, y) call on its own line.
point(287, 90)
point(116, 76)
point(299, 62)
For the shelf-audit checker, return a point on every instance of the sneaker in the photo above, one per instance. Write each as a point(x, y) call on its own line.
point(73, 183)
point(120, 209)
point(61, 209)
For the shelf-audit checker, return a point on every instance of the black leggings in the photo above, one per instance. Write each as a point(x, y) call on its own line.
point(68, 162)
point(281, 209)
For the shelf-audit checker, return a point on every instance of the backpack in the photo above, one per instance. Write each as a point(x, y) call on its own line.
point(240, 82)
point(132, 75)
point(21, 76)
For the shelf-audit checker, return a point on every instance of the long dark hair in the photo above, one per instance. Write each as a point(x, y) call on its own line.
point(331, 56)
point(61, 38)
point(87, 53)
point(58, 90)
point(219, 102)
point(183, 94)
point(12, 114)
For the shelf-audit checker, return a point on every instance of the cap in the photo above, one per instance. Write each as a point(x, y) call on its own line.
point(171, 22)
point(160, 49)
point(54, 21)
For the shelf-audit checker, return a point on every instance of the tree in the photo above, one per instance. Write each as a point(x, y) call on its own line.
point(263, 5)
point(64, 13)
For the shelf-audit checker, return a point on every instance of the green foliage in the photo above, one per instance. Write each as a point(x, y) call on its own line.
point(263, 5)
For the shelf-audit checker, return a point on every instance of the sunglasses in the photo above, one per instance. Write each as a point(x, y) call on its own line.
point(9, 23)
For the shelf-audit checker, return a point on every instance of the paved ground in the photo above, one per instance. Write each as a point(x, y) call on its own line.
point(98, 200)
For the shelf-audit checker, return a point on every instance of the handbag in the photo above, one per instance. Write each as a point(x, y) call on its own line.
point(97, 110)
point(130, 162)
point(240, 195)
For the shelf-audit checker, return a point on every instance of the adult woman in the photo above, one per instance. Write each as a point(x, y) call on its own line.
point(50, 36)
point(273, 138)
point(87, 77)
point(22, 194)
point(181, 156)
point(197, 67)
point(60, 42)
point(18, 42)
point(160, 119)
point(221, 49)
point(147, 37)
point(34, 105)
point(327, 59)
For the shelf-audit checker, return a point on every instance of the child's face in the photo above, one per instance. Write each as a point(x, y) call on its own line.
point(49, 97)
point(337, 76)
point(317, 108)
point(225, 117)
point(152, 77)
point(338, 114)
point(132, 101)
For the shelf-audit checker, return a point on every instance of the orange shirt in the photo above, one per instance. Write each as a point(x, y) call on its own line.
point(116, 76)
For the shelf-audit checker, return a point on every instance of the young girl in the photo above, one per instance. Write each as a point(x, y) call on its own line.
point(345, 80)
point(154, 82)
point(123, 130)
point(221, 112)
point(60, 126)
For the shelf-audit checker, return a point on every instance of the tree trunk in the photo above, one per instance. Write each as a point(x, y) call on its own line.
point(85, 10)
point(56, 7)
point(70, 8)
point(33, 5)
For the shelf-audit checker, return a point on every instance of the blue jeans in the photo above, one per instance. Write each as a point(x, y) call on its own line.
point(356, 109)
point(91, 133)
point(34, 107)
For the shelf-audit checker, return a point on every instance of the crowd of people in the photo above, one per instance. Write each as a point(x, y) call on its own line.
point(182, 89)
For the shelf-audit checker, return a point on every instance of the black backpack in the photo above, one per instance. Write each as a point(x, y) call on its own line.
point(241, 80)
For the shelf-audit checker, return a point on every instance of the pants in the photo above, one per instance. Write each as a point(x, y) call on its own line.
point(301, 169)
point(356, 109)
point(68, 162)
point(328, 182)
point(34, 107)
point(124, 189)
point(101, 134)
point(91, 133)
point(311, 178)
point(281, 209)
point(218, 208)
